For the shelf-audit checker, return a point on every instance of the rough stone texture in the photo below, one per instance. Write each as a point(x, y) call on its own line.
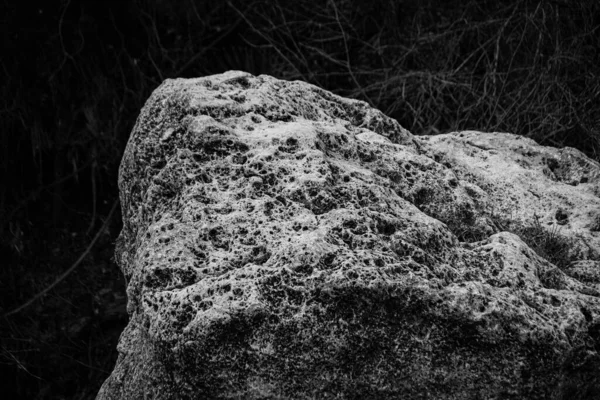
point(282, 242)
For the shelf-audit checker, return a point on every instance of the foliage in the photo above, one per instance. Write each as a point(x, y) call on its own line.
point(76, 73)
point(473, 225)
point(526, 67)
point(547, 243)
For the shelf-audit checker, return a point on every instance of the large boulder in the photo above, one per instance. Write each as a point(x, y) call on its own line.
point(283, 242)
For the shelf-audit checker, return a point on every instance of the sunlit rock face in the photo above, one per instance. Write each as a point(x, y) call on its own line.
point(281, 242)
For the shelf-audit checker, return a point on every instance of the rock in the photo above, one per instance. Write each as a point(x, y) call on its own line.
point(282, 242)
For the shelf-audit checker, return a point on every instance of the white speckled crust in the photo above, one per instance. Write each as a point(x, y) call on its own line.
point(276, 246)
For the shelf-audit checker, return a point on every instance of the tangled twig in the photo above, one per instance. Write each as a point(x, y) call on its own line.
point(71, 269)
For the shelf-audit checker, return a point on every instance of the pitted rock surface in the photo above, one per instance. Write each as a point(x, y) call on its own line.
point(282, 242)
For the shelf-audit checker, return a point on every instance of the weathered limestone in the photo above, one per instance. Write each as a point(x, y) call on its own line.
point(282, 242)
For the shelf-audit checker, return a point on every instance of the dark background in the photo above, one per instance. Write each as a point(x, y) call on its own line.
point(75, 74)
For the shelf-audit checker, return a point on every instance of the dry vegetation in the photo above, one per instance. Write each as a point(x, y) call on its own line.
point(75, 75)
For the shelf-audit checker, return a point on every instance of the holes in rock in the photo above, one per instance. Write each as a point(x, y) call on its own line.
point(587, 315)
point(321, 202)
point(386, 227)
point(218, 237)
point(199, 254)
point(561, 216)
point(204, 177)
point(268, 208)
point(185, 276)
point(350, 224)
point(216, 130)
point(328, 259)
point(184, 317)
point(270, 179)
point(224, 146)
point(304, 269)
point(281, 199)
point(255, 168)
point(423, 196)
point(346, 237)
point(158, 163)
point(366, 155)
point(298, 196)
point(290, 145)
point(242, 82)
point(199, 157)
point(158, 278)
point(358, 118)
point(552, 164)
point(260, 255)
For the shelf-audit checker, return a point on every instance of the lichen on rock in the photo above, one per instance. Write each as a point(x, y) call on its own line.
point(283, 242)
